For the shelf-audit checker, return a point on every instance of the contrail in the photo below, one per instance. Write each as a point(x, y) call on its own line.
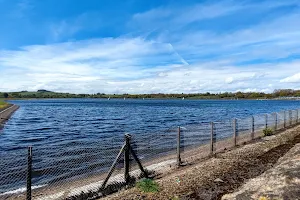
point(180, 57)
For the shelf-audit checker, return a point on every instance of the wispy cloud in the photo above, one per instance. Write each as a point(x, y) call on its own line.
point(22, 8)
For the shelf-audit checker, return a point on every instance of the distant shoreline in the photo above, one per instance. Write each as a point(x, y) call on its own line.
point(166, 98)
point(277, 94)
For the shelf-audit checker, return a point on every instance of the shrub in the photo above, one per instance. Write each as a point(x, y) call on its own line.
point(148, 185)
point(268, 132)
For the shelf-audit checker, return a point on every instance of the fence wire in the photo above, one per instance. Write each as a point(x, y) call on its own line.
point(223, 132)
point(77, 169)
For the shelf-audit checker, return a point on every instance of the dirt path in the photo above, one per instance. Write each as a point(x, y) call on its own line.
point(6, 113)
point(215, 177)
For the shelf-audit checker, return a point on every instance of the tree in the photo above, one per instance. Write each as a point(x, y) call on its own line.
point(5, 95)
point(239, 95)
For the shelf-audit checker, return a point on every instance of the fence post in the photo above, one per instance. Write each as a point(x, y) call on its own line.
point(112, 168)
point(178, 147)
point(252, 128)
point(276, 121)
point(29, 171)
point(126, 158)
point(234, 132)
point(212, 139)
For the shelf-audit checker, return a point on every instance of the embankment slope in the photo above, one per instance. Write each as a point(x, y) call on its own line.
point(215, 177)
point(280, 182)
point(6, 113)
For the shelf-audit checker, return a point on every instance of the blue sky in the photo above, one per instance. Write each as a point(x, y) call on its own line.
point(136, 46)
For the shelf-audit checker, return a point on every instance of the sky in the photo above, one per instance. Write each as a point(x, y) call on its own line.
point(157, 46)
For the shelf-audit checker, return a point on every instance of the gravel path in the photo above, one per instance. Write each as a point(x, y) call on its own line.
point(6, 113)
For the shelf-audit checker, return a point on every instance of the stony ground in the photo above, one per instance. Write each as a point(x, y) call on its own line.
point(215, 177)
point(5, 113)
point(280, 182)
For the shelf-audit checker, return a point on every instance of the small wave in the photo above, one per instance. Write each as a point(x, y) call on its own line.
point(20, 190)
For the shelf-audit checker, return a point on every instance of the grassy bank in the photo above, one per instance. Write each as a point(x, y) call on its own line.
point(3, 104)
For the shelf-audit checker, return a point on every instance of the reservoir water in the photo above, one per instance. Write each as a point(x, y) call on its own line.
point(77, 137)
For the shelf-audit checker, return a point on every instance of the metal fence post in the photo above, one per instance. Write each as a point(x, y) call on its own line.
point(252, 128)
point(126, 158)
point(178, 147)
point(234, 132)
point(212, 139)
point(29, 171)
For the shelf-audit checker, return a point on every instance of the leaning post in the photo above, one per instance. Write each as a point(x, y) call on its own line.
point(29, 173)
point(178, 147)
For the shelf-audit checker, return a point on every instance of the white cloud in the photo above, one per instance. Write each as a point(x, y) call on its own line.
point(173, 60)
point(229, 80)
point(292, 79)
point(130, 65)
point(67, 28)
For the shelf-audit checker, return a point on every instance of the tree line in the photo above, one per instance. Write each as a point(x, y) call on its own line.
point(225, 95)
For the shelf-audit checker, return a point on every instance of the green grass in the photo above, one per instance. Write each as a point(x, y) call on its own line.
point(3, 104)
point(148, 186)
point(268, 132)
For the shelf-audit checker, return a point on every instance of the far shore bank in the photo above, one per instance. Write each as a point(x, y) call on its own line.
point(158, 98)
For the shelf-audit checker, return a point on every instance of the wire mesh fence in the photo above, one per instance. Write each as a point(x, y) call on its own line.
point(78, 170)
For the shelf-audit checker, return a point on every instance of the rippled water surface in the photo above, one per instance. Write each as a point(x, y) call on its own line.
point(63, 131)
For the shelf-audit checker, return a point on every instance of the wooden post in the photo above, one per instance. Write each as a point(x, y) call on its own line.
point(212, 139)
point(138, 162)
point(234, 132)
point(178, 147)
point(252, 128)
point(126, 158)
point(112, 168)
point(276, 121)
point(29, 171)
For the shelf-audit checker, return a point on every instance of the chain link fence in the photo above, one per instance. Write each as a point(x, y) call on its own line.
point(79, 170)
